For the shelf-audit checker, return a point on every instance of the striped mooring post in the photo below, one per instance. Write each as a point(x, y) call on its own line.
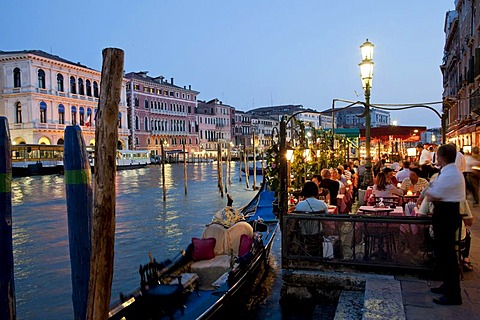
point(78, 185)
point(7, 283)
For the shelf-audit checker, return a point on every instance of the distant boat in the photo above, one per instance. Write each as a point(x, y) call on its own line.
point(250, 170)
point(36, 159)
point(126, 159)
point(42, 159)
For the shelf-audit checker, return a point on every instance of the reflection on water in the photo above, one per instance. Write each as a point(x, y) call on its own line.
point(144, 223)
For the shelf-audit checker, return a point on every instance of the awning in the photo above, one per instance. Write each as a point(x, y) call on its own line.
point(467, 129)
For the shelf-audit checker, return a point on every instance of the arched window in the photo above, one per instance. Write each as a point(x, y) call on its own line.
point(18, 113)
point(60, 82)
point(61, 114)
point(137, 126)
point(146, 123)
point(88, 121)
point(88, 87)
point(41, 79)
point(148, 141)
point(73, 85)
point(95, 89)
point(81, 90)
point(43, 112)
point(81, 111)
point(146, 104)
point(137, 103)
point(119, 119)
point(17, 79)
point(74, 115)
point(136, 142)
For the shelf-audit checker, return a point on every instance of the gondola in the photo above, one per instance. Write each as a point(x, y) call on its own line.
point(191, 286)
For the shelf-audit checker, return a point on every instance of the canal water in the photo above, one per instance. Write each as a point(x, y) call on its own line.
point(144, 223)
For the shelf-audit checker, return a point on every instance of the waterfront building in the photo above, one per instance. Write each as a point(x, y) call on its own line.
point(214, 126)
point(309, 116)
point(348, 117)
point(262, 131)
point(161, 112)
point(461, 73)
point(41, 94)
point(242, 128)
point(432, 135)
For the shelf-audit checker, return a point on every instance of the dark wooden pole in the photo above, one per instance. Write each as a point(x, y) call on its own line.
point(219, 168)
point(7, 280)
point(78, 185)
point(185, 168)
point(229, 165)
point(240, 165)
point(103, 232)
point(163, 172)
point(245, 165)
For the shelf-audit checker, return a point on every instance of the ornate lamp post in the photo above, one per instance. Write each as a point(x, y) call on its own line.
point(366, 74)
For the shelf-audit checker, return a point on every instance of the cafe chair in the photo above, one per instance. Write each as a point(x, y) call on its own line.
point(379, 238)
point(311, 235)
point(408, 199)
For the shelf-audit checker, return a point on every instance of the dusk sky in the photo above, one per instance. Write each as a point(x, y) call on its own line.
point(252, 53)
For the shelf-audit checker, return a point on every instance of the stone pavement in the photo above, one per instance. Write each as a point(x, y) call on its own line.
point(417, 299)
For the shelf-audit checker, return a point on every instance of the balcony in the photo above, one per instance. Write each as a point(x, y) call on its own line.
point(475, 102)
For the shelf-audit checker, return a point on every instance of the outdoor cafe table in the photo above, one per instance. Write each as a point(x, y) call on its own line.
point(398, 211)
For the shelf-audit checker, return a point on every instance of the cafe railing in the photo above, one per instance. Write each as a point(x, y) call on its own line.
point(316, 241)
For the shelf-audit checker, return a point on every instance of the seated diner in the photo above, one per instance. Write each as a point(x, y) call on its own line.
point(310, 203)
point(414, 182)
point(383, 187)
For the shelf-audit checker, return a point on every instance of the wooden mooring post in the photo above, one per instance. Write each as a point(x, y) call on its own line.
point(185, 169)
point(79, 192)
point(164, 187)
point(219, 168)
point(7, 282)
point(245, 165)
point(103, 231)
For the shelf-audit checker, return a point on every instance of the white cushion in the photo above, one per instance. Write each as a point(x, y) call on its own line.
point(210, 270)
point(235, 232)
point(218, 232)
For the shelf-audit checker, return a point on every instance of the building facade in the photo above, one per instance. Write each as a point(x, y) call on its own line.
point(349, 117)
point(461, 73)
point(214, 126)
point(161, 113)
point(41, 94)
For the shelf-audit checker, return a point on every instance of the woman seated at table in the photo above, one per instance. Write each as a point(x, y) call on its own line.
point(310, 202)
point(383, 187)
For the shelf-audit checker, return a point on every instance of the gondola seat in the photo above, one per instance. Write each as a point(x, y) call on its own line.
point(226, 247)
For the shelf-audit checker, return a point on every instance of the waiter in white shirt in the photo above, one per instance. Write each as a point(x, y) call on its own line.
point(446, 193)
point(425, 161)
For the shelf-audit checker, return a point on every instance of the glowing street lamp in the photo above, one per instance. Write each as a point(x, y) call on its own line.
point(366, 74)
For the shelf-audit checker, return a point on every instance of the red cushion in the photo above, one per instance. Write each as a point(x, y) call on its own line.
point(203, 249)
point(245, 245)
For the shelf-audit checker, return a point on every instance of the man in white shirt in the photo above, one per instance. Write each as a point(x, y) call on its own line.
point(446, 193)
point(404, 173)
point(425, 161)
